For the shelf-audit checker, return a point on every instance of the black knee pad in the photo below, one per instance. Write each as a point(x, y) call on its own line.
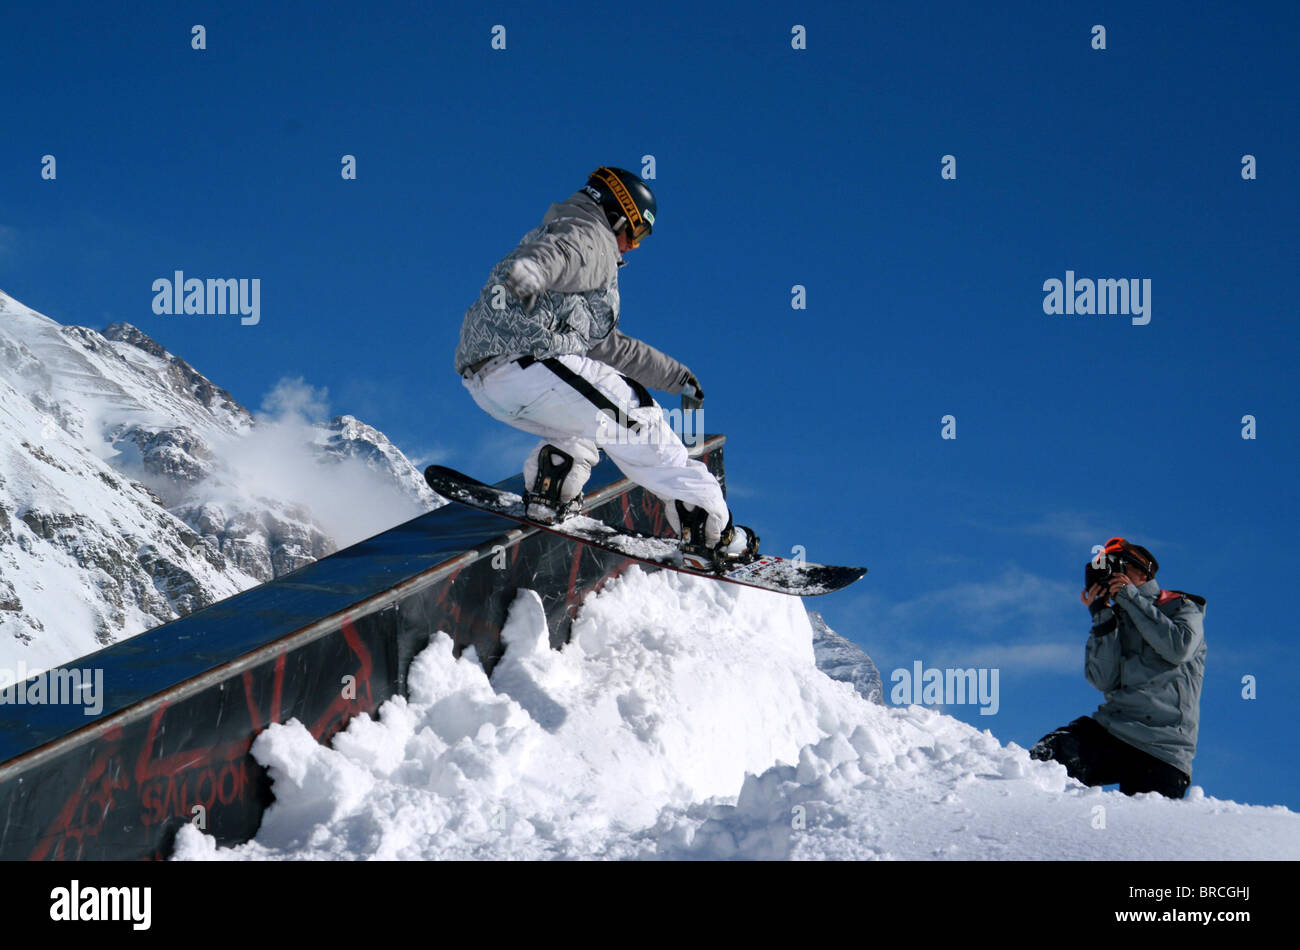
point(1060, 746)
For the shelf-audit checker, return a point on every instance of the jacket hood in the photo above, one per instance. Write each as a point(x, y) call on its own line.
point(580, 204)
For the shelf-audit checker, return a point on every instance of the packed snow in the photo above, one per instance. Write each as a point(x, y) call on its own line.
point(688, 719)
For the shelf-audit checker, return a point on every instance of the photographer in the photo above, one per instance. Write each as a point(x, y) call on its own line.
point(1146, 653)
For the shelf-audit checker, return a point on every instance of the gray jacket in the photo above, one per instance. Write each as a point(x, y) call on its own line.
point(577, 314)
point(1148, 656)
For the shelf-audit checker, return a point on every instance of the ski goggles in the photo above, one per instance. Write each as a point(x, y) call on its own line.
point(636, 236)
point(1116, 555)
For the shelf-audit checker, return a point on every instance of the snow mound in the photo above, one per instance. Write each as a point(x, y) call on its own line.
point(687, 719)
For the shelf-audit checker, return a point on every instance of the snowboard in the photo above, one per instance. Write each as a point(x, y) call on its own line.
point(795, 577)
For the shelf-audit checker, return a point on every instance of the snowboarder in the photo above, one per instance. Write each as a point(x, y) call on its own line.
point(1146, 653)
point(541, 350)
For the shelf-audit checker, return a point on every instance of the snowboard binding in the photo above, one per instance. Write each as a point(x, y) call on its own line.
point(731, 550)
point(542, 502)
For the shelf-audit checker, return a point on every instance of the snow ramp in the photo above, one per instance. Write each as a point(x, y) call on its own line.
point(166, 739)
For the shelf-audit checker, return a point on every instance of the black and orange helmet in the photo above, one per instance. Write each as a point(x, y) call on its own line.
point(627, 201)
point(1116, 555)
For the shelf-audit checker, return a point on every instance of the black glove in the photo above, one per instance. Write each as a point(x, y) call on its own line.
point(1098, 605)
point(692, 392)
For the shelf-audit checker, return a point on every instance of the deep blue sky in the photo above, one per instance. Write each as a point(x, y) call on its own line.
point(775, 167)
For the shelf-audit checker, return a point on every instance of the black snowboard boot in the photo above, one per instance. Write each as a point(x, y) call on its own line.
point(542, 500)
point(737, 545)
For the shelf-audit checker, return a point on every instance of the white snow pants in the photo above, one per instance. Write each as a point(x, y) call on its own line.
point(643, 444)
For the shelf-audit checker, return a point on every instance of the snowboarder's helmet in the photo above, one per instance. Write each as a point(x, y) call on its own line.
point(627, 201)
point(1119, 554)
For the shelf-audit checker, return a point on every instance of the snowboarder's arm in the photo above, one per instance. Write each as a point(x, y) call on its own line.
point(1101, 663)
point(1175, 638)
point(641, 361)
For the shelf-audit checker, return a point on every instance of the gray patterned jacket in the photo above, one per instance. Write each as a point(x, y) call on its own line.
point(1147, 654)
point(578, 254)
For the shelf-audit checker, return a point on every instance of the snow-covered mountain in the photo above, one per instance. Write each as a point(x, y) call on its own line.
point(134, 490)
point(842, 659)
point(688, 719)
